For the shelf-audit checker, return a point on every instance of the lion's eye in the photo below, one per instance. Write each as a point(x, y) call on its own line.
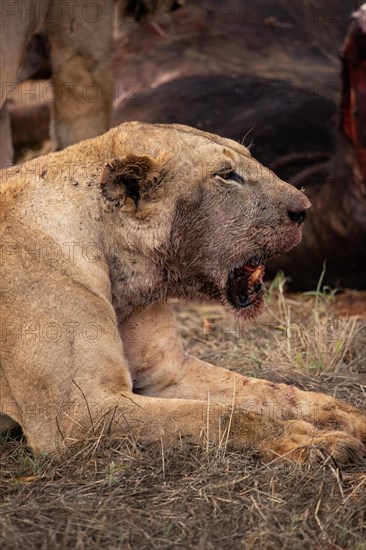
point(231, 175)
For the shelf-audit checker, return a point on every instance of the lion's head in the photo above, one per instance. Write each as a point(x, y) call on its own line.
point(212, 213)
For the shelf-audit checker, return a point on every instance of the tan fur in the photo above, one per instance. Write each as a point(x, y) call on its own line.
point(95, 240)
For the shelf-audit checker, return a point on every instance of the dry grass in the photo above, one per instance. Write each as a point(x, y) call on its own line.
point(122, 494)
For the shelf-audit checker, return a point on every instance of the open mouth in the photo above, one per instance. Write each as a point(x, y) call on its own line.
point(245, 286)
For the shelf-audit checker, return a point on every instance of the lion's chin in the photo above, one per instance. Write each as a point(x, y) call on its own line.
point(248, 313)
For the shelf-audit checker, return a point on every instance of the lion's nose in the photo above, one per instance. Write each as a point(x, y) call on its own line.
point(297, 216)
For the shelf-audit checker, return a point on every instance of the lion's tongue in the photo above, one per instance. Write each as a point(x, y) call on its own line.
point(255, 274)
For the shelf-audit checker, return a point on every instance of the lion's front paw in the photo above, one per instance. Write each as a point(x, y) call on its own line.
point(302, 441)
point(336, 415)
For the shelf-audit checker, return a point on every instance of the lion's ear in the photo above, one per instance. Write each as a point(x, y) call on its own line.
point(130, 178)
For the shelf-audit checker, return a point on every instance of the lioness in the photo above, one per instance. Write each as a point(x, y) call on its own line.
point(95, 240)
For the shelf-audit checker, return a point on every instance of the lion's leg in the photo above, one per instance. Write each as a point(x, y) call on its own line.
point(157, 419)
point(69, 379)
point(161, 368)
point(154, 350)
point(81, 52)
point(19, 20)
point(272, 400)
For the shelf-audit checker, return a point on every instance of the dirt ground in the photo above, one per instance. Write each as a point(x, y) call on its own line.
point(120, 493)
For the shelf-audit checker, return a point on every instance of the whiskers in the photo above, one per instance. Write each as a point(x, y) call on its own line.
point(249, 146)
